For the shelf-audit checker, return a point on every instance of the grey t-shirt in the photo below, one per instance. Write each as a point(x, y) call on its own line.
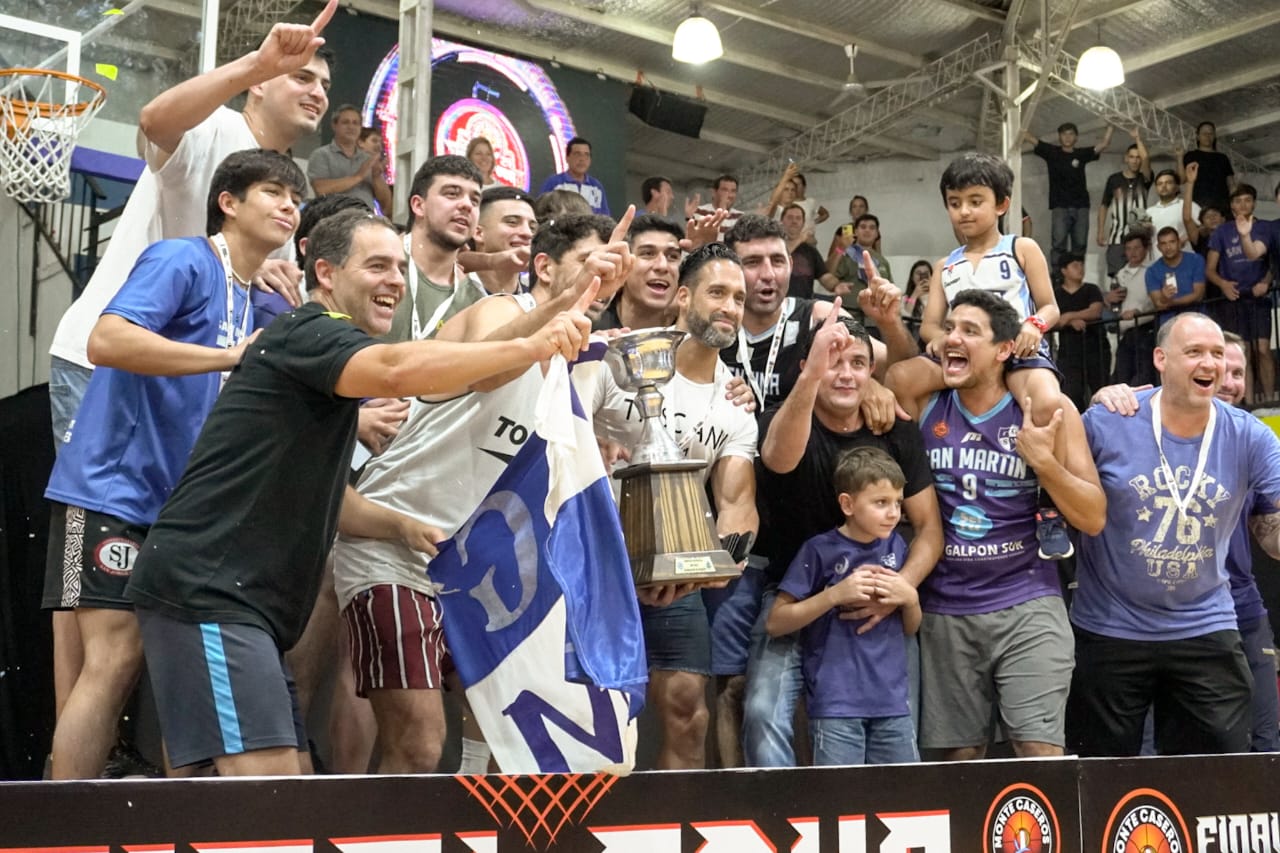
point(329, 161)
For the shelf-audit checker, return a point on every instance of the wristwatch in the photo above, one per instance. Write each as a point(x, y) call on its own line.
point(1038, 323)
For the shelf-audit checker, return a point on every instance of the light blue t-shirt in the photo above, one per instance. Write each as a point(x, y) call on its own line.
point(131, 437)
point(1152, 573)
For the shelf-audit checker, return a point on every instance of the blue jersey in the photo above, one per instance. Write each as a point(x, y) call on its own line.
point(988, 497)
point(847, 674)
point(132, 435)
point(1154, 573)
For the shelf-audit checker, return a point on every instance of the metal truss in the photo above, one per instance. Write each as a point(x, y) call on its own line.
point(936, 82)
point(243, 23)
point(1125, 108)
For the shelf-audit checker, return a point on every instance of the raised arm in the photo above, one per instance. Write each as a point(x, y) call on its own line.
point(784, 445)
point(935, 311)
point(286, 49)
point(1145, 168)
point(1105, 141)
point(881, 300)
point(1189, 223)
point(430, 367)
point(1073, 483)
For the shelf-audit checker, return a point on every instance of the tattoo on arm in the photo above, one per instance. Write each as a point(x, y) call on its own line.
point(1266, 529)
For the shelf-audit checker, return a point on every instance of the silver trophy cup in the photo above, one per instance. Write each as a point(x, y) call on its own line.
point(666, 519)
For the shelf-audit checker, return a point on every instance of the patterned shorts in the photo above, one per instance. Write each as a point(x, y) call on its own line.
point(90, 559)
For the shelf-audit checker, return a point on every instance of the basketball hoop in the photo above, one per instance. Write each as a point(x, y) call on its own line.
point(40, 130)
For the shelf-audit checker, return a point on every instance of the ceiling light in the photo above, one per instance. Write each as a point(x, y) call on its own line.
point(696, 40)
point(1099, 67)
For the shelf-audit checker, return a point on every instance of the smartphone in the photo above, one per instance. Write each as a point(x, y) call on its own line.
point(846, 230)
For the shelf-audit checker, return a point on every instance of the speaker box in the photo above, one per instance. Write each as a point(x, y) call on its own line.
point(666, 111)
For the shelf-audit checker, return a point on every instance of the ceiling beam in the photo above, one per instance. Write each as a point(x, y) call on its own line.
point(1249, 123)
point(1102, 14)
point(928, 87)
point(816, 31)
point(1200, 41)
point(904, 147)
point(658, 35)
point(975, 9)
point(942, 115)
point(1220, 84)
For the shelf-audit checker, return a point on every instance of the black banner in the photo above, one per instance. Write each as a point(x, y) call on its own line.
point(1221, 804)
point(905, 809)
point(1206, 804)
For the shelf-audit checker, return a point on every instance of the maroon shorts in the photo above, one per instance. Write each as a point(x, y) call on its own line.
point(397, 642)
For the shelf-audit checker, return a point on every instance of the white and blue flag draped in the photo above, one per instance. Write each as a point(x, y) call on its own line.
point(540, 612)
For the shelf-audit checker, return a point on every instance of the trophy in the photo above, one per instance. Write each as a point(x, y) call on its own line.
point(666, 519)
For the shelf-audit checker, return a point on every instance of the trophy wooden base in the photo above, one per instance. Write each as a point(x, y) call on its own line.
point(668, 526)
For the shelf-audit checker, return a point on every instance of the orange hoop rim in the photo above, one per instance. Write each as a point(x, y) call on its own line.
point(48, 109)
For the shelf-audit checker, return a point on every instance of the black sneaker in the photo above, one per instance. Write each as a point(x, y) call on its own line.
point(1051, 530)
point(125, 762)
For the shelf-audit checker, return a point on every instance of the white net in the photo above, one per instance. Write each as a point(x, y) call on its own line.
point(41, 116)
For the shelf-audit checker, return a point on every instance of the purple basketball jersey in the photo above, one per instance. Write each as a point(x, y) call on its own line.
point(988, 498)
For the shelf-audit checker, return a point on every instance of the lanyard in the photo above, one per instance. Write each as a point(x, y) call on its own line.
point(1181, 501)
point(220, 243)
point(744, 351)
point(417, 330)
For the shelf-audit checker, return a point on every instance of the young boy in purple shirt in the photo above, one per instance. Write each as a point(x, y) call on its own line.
point(855, 683)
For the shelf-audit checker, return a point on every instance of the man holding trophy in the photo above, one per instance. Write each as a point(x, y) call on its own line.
point(691, 420)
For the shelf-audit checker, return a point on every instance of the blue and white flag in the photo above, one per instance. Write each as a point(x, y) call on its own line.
point(540, 611)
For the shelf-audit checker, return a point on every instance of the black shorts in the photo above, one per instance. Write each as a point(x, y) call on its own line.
point(1249, 317)
point(221, 689)
point(1200, 689)
point(90, 559)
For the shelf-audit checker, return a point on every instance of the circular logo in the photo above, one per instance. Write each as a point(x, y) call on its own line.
point(1146, 821)
point(466, 119)
point(1021, 820)
point(940, 429)
point(970, 522)
point(115, 556)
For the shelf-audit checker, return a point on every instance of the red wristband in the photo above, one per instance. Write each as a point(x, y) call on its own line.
point(1038, 323)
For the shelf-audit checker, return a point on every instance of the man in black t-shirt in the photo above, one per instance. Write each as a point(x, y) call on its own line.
point(1084, 353)
point(1068, 192)
point(223, 586)
point(1125, 198)
point(776, 327)
point(801, 443)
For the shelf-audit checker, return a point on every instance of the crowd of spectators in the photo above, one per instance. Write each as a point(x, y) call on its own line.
point(906, 579)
